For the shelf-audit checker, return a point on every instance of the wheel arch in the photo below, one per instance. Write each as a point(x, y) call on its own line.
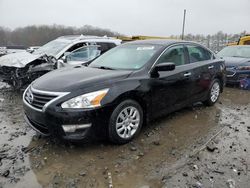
point(139, 98)
point(221, 80)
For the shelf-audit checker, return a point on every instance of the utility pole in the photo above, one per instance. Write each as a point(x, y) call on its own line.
point(183, 24)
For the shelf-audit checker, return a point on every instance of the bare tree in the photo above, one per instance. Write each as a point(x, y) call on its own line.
point(39, 35)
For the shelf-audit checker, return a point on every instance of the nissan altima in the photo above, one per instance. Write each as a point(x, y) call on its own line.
point(123, 89)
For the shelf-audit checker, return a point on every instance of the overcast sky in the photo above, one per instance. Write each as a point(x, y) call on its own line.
point(131, 17)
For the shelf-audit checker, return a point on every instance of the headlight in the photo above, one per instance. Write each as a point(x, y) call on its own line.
point(243, 67)
point(88, 100)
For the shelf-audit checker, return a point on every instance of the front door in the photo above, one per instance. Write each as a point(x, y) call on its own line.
point(171, 89)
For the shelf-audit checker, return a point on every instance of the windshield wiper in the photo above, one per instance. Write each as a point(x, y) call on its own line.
point(236, 56)
point(106, 68)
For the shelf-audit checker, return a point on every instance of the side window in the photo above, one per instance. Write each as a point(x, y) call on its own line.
point(84, 54)
point(76, 46)
point(174, 54)
point(247, 42)
point(111, 45)
point(104, 46)
point(197, 53)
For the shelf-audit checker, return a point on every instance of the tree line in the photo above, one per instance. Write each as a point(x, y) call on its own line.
point(216, 41)
point(39, 35)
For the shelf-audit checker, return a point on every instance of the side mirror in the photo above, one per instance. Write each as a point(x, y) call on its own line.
point(60, 63)
point(168, 66)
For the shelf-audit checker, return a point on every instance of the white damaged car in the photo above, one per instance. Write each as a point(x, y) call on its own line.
point(20, 69)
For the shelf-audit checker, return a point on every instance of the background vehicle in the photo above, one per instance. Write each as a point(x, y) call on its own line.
point(11, 49)
point(3, 51)
point(237, 60)
point(140, 37)
point(123, 88)
point(20, 69)
point(15, 49)
point(32, 48)
point(244, 40)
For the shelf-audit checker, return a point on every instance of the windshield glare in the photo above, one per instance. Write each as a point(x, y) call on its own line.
point(126, 57)
point(52, 48)
point(235, 51)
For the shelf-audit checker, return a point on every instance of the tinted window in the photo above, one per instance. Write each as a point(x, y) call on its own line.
point(174, 54)
point(197, 53)
point(76, 46)
point(104, 46)
point(247, 42)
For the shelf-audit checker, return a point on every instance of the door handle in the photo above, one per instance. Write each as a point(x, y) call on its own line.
point(210, 67)
point(187, 74)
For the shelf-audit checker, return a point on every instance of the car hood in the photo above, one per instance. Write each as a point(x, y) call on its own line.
point(70, 79)
point(236, 61)
point(19, 59)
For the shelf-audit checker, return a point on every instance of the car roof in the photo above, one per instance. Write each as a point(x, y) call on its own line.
point(163, 42)
point(74, 38)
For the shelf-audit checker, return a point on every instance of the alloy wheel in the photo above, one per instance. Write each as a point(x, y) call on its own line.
point(127, 122)
point(215, 92)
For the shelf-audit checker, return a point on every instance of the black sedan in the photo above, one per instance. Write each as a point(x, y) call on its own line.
point(123, 89)
point(237, 60)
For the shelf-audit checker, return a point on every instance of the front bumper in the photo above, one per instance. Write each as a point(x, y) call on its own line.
point(55, 121)
point(234, 76)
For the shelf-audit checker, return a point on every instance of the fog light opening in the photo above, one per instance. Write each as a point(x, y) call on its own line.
point(74, 128)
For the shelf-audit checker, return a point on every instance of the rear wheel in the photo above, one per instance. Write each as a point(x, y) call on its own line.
point(214, 93)
point(125, 122)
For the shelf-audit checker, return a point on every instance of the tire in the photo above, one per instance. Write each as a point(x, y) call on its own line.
point(126, 118)
point(214, 93)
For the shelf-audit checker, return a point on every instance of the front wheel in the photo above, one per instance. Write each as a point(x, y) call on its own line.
point(214, 93)
point(125, 122)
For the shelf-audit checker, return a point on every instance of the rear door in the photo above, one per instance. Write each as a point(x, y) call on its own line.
point(203, 64)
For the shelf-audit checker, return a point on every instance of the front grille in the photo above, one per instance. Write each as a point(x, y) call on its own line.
point(38, 99)
point(230, 72)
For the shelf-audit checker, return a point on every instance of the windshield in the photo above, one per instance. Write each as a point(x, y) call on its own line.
point(129, 56)
point(53, 48)
point(235, 51)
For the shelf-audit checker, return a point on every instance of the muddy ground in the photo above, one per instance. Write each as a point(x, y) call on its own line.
point(196, 147)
